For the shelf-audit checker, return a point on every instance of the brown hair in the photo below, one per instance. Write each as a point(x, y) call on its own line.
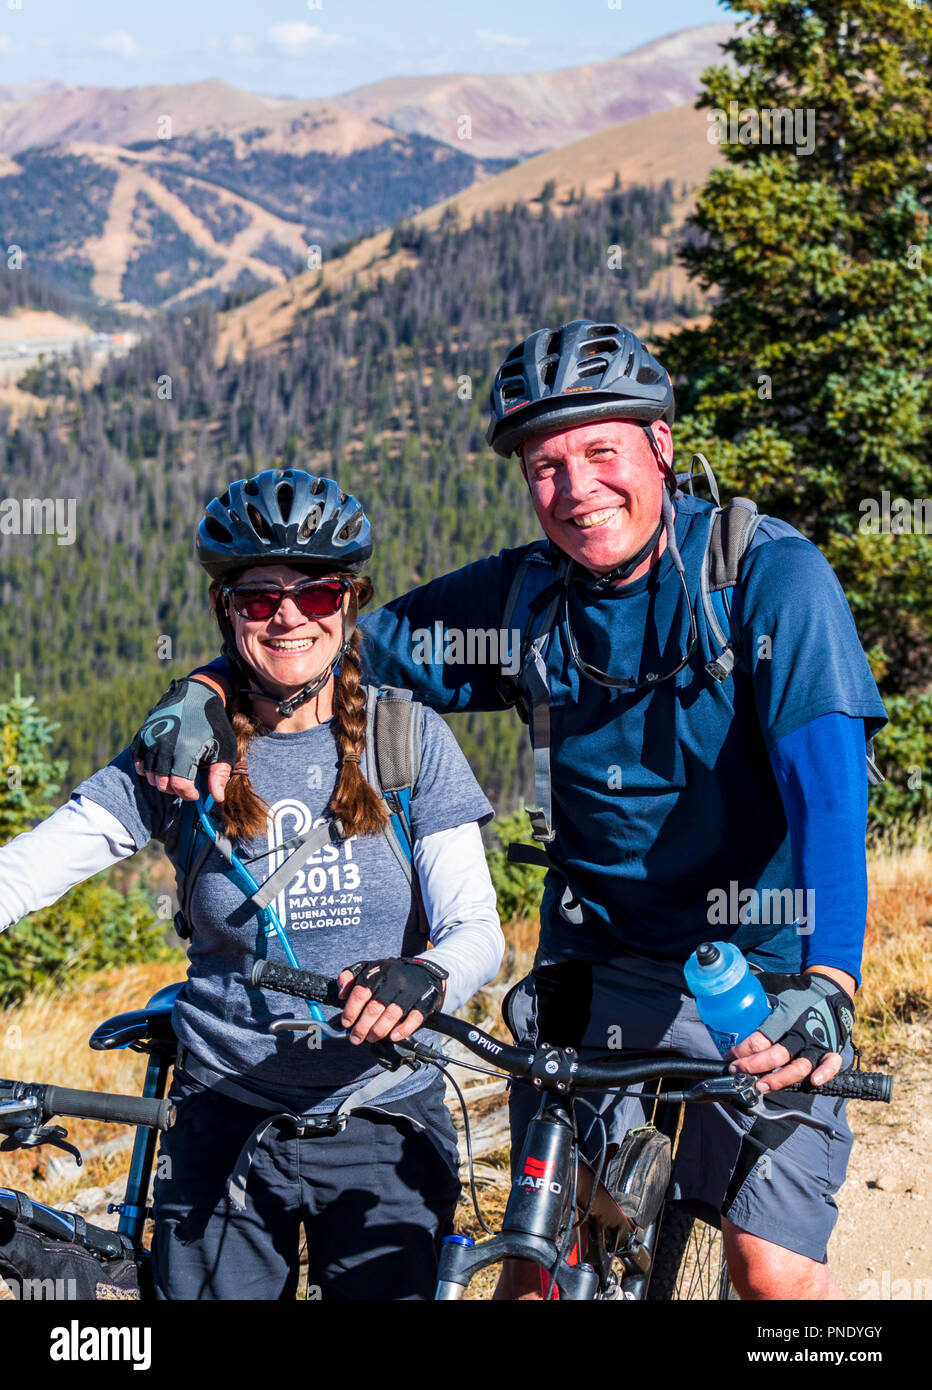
point(354, 802)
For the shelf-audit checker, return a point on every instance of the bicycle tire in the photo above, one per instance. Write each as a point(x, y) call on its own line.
point(689, 1261)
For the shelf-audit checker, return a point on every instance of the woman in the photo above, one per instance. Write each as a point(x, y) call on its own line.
point(256, 1151)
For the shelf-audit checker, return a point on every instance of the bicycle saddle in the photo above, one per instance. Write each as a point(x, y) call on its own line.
point(141, 1029)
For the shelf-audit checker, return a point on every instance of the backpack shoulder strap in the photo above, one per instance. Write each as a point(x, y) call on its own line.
point(731, 530)
point(530, 614)
point(394, 723)
point(191, 852)
point(527, 615)
point(394, 729)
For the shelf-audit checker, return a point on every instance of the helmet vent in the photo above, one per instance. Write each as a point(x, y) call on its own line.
point(320, 485)
point(648, 377)
point(513, 390)
point(217, 531)
point(284, 493)
point(595, 366)
point(310, 524)
point(259, 523)
point(548, 371)
point(601, 345)
point(252, 487)
point(224, 500)
point(351, 529)
point(511, 369)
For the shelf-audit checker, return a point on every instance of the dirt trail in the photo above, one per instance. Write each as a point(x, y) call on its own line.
point(882, 1246)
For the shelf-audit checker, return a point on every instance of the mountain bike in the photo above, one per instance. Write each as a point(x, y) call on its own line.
point(50, 1254)
point(597, 1230)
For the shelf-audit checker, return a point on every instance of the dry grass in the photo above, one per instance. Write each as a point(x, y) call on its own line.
point(895, 1000)
point(45, 1039)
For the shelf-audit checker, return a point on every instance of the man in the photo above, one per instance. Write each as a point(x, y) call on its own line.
point(673, 791)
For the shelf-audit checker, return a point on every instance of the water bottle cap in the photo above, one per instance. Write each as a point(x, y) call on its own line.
point(719, 965)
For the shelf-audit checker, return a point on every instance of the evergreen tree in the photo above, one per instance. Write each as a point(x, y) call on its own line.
point(93, 925)
point(809, 387)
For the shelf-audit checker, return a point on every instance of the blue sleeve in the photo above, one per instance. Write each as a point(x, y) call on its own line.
point(822, 777)
point(800, 641)
point(441, 640)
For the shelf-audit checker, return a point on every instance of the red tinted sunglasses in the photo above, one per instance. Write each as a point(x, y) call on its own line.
point(317, 599)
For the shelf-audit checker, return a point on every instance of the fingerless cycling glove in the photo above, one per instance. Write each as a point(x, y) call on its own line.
point(411, 984)
point(187, 726)
point(812, 1015)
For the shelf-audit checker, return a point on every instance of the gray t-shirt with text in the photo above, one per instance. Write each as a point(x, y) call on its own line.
point(350, 902)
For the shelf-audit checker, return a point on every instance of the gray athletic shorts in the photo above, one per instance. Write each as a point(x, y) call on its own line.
point(775, 1180)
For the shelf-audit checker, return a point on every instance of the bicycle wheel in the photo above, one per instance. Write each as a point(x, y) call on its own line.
point(689, 1261)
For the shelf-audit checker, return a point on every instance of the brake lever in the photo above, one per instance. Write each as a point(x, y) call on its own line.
point(31, 1136)
point(282, 1025)
point(741, 1089)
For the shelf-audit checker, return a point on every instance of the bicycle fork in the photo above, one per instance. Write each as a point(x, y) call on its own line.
point(539, 1207)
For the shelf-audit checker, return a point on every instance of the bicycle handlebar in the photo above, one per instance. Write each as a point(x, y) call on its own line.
point(89, 1105)
point(555, 1068)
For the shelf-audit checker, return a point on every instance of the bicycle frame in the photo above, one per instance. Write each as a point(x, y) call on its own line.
point(542, 1205)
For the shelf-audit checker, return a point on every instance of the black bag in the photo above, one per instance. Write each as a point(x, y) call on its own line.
point(49, 1255)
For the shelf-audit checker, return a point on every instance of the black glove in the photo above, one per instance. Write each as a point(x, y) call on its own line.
point(411, 984)
point(812, 1015)
point(187, 726)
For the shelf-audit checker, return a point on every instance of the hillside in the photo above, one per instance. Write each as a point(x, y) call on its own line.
point(669, 145)
point(150, 197)
point(525, 113)
point(169, 220)
point(511, 116)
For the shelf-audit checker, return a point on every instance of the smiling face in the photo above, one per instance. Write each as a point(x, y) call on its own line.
point(597, 489)
point(287, 650)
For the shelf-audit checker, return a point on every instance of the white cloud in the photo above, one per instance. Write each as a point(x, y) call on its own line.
point(489, 39)
point(120, 43)
point(294, 37)
point(241, 43)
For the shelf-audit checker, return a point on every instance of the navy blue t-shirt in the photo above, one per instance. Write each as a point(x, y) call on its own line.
point(663, 799)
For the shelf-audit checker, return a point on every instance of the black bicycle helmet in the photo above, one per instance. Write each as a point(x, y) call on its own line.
point(573, 375)
point(283, 514)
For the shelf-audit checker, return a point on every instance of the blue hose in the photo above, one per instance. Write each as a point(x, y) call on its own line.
point(268, 917)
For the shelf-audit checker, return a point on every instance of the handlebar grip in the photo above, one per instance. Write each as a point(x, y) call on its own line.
point(300, 983)
point(123, 1110)
point(857, 1085)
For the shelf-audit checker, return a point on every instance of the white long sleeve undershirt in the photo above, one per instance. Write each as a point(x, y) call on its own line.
point(81, 838)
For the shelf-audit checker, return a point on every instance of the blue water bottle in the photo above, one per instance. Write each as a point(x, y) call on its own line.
point(731, 1001)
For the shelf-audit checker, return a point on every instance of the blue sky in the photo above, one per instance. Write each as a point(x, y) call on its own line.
point(310, 48)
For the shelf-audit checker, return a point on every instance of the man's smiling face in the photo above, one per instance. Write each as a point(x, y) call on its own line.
point(597, 489)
